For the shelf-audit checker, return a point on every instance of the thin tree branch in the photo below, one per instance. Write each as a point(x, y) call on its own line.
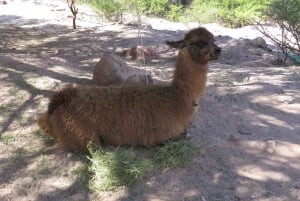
point(74, 11)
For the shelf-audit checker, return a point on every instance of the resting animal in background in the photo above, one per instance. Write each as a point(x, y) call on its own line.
point(144, 115)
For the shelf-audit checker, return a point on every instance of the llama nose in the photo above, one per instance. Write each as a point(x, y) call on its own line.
point(218, 50)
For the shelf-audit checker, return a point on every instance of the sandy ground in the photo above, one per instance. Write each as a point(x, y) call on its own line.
point(248, 120)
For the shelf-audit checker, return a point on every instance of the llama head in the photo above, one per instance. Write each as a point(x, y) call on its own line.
point(200, 45)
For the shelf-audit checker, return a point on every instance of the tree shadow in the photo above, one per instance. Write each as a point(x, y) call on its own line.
point(252, 142)
point(35, 60)
point(226, 171)
point(252, 147)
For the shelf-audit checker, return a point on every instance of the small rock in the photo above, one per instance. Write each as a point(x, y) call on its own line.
point(233, 42)
point(203, 198)
point(77, 51)
point(271, 142)
point(69, 155)
point(244, 41)
point(44, 55)
point(233, 139)
point(79, 196)
point(260, 43)
point(244, 129)
point(244, 132)
point(188, 135)
point(148, 26)
point(258, 52)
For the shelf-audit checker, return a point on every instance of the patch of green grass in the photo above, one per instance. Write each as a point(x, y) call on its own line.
point(174, 153)
point(234, 13)
point(174, 13)
point(19, 154)
point(44, 169)
point(203, 12)
point(111, 9)
point(112, 169)
point(5, 109)
point(8, 139)
point(126, 166)
point(82, 170)
point(17, 93)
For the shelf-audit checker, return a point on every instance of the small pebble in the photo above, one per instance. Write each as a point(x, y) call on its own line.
point(44, 55)
point(233, 139)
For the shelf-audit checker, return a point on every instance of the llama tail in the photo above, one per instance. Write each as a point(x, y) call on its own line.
point(61, 98)
point(43, 122)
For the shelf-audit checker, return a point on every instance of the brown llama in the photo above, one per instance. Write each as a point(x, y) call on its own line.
point(133, 115)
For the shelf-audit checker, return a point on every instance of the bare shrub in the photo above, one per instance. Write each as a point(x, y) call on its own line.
point(74, 11)
point(286, 15)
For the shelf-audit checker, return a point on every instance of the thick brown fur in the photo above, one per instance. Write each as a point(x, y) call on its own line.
point(133, 115)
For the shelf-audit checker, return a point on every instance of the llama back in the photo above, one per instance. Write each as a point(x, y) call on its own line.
point(62, 97)
point(59, 98)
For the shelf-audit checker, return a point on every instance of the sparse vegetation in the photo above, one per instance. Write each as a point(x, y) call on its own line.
point(32, 168)
point(126, 166)
point(234, 13)
point(7, 140)
point(174, 153)
point(111, 9)
point(111, 169)
point(174, 12)
point(48, 141)
point(44, 168)
point(286, 15)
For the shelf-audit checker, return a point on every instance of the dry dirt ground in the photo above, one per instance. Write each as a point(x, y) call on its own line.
point(248, 120)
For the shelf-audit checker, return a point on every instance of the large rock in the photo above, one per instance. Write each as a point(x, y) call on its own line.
point(112, 70)
point(260, 43)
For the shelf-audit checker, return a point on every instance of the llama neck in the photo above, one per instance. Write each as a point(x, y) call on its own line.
point(189, 76)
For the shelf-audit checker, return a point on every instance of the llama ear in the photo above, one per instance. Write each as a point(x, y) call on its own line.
point(176, 44)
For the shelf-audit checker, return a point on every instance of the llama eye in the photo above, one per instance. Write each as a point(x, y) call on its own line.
point(200, 44)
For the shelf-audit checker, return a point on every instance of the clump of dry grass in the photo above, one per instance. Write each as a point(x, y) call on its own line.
point(174, 153)
point(126, 166)
point(112, 169)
